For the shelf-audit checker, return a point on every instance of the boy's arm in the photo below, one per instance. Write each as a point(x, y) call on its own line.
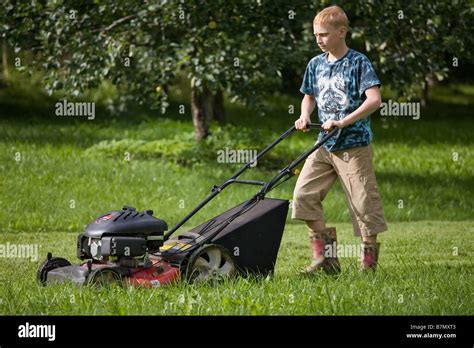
point(371, 104)
point(307, 106)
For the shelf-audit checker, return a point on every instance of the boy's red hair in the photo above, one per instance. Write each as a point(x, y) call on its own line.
point(333, 15)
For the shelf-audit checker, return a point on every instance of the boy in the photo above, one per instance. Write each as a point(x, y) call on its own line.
point(344, 86)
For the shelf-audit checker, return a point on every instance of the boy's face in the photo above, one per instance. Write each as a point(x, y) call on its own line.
point(329, 37)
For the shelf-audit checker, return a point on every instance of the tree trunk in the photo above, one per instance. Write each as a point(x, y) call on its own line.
point(424, 94)
point(208, 104)
point(198, 110)
point(5, 59)
point(218, 108)
point(205, 107)
point(430, 81)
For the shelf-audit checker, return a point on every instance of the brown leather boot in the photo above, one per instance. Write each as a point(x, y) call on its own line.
point(369, 256)
point(323, 243)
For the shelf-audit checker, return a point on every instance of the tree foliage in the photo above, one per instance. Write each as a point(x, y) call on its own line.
point(242, 48)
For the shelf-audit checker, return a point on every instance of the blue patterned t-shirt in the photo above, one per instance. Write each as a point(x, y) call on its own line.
point(338, 88)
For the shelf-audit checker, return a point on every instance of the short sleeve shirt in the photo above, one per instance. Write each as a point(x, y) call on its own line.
point(338, 88)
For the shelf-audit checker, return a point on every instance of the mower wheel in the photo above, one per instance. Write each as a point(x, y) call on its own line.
point(210, 262)
point(104, 277)
point(48, 265)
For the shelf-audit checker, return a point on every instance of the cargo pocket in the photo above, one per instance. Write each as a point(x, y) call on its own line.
point(364, 198)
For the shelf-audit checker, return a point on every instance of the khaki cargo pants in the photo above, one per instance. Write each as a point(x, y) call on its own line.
point(354, 168)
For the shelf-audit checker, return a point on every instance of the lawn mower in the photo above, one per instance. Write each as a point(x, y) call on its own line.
point(131, 247)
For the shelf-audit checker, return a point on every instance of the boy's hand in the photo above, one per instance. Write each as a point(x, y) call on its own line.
point(301, 123)
point(329, 124)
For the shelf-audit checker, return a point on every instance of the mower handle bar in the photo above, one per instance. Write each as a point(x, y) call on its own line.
point(267, 186)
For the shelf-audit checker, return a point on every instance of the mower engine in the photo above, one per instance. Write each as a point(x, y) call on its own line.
point(115, 247)
point(121, 236)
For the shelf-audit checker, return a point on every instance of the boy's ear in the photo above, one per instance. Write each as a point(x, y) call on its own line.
point(342, 32)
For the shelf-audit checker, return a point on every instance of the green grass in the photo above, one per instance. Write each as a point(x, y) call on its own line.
point(71, 170)
point(419, 274)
